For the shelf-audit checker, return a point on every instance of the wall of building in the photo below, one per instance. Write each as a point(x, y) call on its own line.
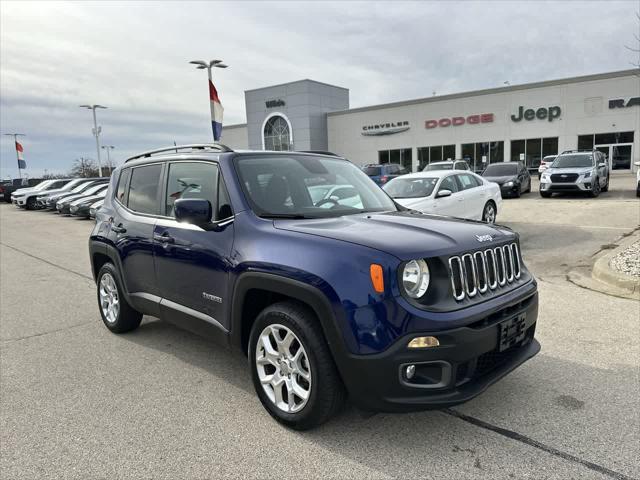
point(584, 108)
point(305, 104)
point(235, 136)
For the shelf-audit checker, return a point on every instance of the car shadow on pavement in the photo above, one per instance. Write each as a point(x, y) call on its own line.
point(548, 399)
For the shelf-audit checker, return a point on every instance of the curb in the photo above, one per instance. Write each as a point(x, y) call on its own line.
point(605, 274)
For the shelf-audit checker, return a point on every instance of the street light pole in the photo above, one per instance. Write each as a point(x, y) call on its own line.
point(201, 65)
point(96, 132)
point(15, 145)
point(108, 148)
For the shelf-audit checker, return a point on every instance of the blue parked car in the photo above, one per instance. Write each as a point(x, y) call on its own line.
point(328, 298)
point(381, 173)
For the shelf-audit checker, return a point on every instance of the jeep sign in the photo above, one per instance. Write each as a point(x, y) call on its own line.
point(541, 113)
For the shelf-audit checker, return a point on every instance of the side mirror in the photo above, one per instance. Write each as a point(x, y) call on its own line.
point(602, 164)
point(444, 193)
point(196, 211)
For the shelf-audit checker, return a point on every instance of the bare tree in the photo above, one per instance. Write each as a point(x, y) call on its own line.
point(636, 48)
point(84, 168)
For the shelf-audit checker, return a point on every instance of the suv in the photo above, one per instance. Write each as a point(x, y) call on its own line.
point(447, 165)
point(545, 163)
point(27, 197)
point(383, 172)
point(576, 171)
point(399, 310)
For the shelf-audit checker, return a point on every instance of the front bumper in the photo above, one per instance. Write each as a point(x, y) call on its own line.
point(580, 185)
point(468, 360)
point(510, 191)
point(79, 211)
point(63, 208)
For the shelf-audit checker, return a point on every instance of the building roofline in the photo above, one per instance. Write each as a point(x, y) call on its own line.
point(235, 125)
point(296, 81)
point(490, 91)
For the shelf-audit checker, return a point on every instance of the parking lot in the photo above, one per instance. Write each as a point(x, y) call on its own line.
point(80, 402)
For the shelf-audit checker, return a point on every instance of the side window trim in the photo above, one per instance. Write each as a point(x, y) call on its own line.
point(125, 200)
point(165, 183)
point(163, 167)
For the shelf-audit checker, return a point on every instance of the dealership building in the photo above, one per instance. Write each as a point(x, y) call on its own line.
point(519, 122)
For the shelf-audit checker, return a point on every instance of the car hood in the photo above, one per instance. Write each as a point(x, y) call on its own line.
point(403, 234)
point(501, 180)
point(412, 202)
point(51, 193)
point(24, 191)
point(568, 170)
point(87, 200)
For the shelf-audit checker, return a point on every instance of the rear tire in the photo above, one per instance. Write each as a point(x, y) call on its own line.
point(489, 213)
point(287, 349)
point(117, 315)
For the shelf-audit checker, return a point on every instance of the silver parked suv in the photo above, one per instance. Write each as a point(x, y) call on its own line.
point(576, 171)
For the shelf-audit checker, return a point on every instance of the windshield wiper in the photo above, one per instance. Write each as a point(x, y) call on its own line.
point(293, 216)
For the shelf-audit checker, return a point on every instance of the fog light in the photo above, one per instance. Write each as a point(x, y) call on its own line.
point(410, 371)
point(423, 342)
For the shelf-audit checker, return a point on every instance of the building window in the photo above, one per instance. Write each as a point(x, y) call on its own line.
point(277, 135)
point(402, 156)
point(473, 153)
point(534, 150)
point(427, 155)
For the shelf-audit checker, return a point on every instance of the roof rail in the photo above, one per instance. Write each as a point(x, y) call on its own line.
point(195, 146)
point(581, 150)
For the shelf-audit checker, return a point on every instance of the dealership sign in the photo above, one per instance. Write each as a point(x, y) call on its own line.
point(541, 113)
point(385, 128)
point(622, 103)
point(274, 103)
point(457, 121)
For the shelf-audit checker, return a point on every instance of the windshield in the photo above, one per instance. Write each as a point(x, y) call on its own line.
point(81, 187)
point(304, 186)
point(438, 166)
point(573, 161)
point(407, 187)
point(549, 159)
point(372, 171)
point(42, 185)
point(500, 170)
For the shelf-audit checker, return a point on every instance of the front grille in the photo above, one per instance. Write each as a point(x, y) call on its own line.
point(478, 272)
point(564, 177)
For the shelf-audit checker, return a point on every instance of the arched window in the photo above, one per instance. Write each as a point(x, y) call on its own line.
point(276, 134)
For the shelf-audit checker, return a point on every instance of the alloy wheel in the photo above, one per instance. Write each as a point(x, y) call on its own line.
point(489, 214)
point(109, 299)
point(283, 368)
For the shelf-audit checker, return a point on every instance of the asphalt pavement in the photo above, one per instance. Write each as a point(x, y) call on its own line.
point(79, 402)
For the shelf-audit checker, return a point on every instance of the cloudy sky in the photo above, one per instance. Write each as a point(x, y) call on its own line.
point(133, 58)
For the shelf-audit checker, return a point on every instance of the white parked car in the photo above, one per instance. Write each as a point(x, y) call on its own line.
point(446, 192)
point(637, 164)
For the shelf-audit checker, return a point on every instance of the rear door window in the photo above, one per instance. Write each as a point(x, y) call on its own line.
point(143, 189)
point(122, 185)
point(467, 181)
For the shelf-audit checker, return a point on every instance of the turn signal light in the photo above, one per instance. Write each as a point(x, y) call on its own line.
point(376, 277)
point(423, 342)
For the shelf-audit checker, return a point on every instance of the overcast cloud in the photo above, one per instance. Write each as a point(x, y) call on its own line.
point(133, 58)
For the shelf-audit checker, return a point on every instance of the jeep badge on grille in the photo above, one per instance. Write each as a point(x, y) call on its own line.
point(484, 238)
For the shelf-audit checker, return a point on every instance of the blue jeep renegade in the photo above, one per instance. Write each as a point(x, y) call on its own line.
point(329, 287)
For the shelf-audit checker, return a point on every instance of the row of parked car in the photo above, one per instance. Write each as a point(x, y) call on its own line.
point(80, 197)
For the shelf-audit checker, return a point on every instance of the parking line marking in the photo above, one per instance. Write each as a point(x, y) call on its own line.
point(87, 277)
point(534, 443)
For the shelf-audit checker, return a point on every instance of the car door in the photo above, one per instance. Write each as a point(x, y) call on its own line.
point(474, 195)
point(135, 208)
point(192, 264)
point(452, 205)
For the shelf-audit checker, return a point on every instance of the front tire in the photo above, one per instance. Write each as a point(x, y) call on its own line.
point(293, 372)
point(31, 203)
point(489, 213)
point(117, 315)
point(606, 185)
point(595, 188)
point(545, 194)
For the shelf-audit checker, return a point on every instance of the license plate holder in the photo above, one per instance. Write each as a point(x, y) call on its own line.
point(512, 332)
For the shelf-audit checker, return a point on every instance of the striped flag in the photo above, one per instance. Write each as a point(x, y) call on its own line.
point(21, 163)
point(216, 112)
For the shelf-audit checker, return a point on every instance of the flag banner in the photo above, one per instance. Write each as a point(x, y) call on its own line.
point(21, 163)
point(216, 112)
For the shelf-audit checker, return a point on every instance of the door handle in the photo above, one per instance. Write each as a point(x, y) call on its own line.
point(118, 229)
point(163, 238)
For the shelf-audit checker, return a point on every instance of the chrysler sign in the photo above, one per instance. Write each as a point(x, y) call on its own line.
point(457, 121)
point(385, 128)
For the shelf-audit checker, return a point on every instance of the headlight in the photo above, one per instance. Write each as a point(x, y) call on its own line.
point(545, 176)
point(586, 174)
point(415, 278)
point(508, 184)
